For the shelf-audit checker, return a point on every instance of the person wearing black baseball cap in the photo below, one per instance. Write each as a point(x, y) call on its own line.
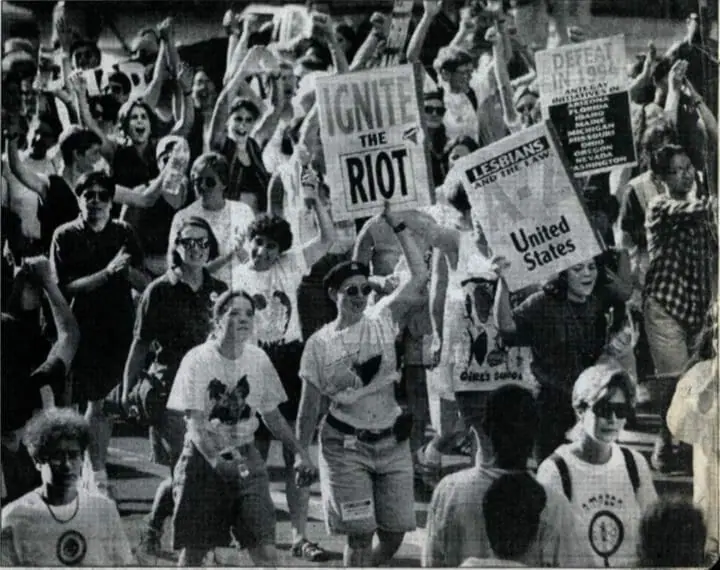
point(366, 470)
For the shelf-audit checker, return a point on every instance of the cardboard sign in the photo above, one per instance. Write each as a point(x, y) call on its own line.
point(583, 91)
point(373, 141)
point(399, 27)
point(525, 200)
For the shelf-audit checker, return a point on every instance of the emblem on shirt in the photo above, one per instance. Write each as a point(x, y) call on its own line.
point(71, 548)
point(367, 370)
point(273, 316)
point(228, 406)
point(606, 534)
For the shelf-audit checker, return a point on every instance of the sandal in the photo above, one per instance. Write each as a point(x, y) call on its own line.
point(309, 551)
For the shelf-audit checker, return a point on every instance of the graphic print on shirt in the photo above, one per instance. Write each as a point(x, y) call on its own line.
point(272, 313)
point(368, 370)
point(71, 548)
point(228, 407)
point(606, 534)
point(483, 356)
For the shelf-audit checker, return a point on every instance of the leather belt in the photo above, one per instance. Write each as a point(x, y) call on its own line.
point(364, 435)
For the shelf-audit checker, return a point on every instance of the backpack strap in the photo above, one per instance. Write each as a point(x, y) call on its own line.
point(562, 468)
point(632, 468)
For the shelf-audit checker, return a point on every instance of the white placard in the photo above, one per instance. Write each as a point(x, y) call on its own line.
point(525, 201)
point(373, 140)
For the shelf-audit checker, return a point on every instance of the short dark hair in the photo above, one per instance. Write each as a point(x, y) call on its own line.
point(464, 140)
point(457, 197)
point(672, 534)
point(511, 422)
point(213, 160)
point(512, 507)
point(244, 103)
point(660, 159)
point(85, 43)
point(121, 78)
point(449, 58)
point(94, 178)
point(272, 227)
point(223, 302)
point(45, 430)
point(76, 139)
point(661, 70)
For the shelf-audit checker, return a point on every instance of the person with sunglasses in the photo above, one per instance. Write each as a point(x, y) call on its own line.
point(173, 316)
point(272, 275)
point(609, 486)
point(229, 219)
point(366, 469)
point(97, 261)
point(60, 523)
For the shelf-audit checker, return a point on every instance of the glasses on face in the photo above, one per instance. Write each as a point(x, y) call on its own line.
point(60, 456)
point(200, 243)
point(432, 110)
point(604, 409)
point(525, 109)
point(354, 290)
point(99, 196)
point(207, 182)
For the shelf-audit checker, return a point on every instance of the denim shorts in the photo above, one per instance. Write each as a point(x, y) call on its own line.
point(366, 486)
point(208, 506)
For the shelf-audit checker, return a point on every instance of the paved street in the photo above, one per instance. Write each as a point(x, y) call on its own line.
point(135, 480)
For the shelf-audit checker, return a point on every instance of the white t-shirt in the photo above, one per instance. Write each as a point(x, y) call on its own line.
point(275, 295)
point(344, 366)
point(228, 392)
point(228, 223)
point(94, 537)
point(472, 344)
point(607, 508)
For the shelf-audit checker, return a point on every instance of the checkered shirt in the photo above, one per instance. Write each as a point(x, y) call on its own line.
point(682, 244)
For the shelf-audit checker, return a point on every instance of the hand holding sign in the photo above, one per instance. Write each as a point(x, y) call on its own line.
point(677, 75)
point(432, 7)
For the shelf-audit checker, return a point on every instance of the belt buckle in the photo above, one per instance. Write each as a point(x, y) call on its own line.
point(363, 434)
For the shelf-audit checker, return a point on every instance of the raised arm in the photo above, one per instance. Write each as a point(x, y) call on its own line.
point(496, 36)
point(445, 239)
point(142, 196)
point(78, 86)
point(371, 44)
point(438, 294)
point(35, 181)
point(183, 107)
point(431, 8)
point(239, 42)
point(408, 291)
point(363, 249)
point(236, 86)
point(320, 245)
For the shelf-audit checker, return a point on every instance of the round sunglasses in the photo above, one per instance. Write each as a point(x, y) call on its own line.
point(201, 243)
point(354, 290)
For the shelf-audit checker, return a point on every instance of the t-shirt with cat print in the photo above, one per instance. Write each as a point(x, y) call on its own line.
point(228, 393)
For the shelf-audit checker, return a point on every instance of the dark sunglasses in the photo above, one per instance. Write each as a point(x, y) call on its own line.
point(525, 108)
point(605, 409)
point(100, 196)
point(202, 243)
point(114, 89)
point(439, 111)
point(206, 182)
point(354, 290)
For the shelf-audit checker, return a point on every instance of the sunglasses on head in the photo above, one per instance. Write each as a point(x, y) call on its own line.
point(605, 409)
point(100, 196)
point(206, 182)
point(432, 110)
point(354, 290)
point(202, 243)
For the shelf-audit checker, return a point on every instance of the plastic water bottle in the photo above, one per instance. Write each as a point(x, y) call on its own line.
point(176, 168)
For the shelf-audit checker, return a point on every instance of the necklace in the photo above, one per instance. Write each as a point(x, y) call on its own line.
point(52, 514)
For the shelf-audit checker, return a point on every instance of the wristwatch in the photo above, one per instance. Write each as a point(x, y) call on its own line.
point(400, 227)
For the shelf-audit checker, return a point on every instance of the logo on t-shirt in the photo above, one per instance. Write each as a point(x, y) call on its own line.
point(606, 534)
point(228, 406)
point(71, 548)
point(273, 316)
point(367, 370)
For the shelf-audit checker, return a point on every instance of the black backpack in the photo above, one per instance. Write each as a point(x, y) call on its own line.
point(630, 464)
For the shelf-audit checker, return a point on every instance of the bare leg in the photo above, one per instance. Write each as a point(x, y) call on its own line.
point(358, 551)
point(388, 545)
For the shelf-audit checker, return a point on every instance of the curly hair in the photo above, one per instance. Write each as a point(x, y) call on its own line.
point(45, 430)
point(274, 228)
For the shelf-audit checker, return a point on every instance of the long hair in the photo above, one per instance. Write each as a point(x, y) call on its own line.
point(125, 111)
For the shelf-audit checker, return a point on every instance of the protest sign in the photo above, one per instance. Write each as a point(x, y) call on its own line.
point(583, 92)
point(373, 140)
point(399, 27)
point(524, 198)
